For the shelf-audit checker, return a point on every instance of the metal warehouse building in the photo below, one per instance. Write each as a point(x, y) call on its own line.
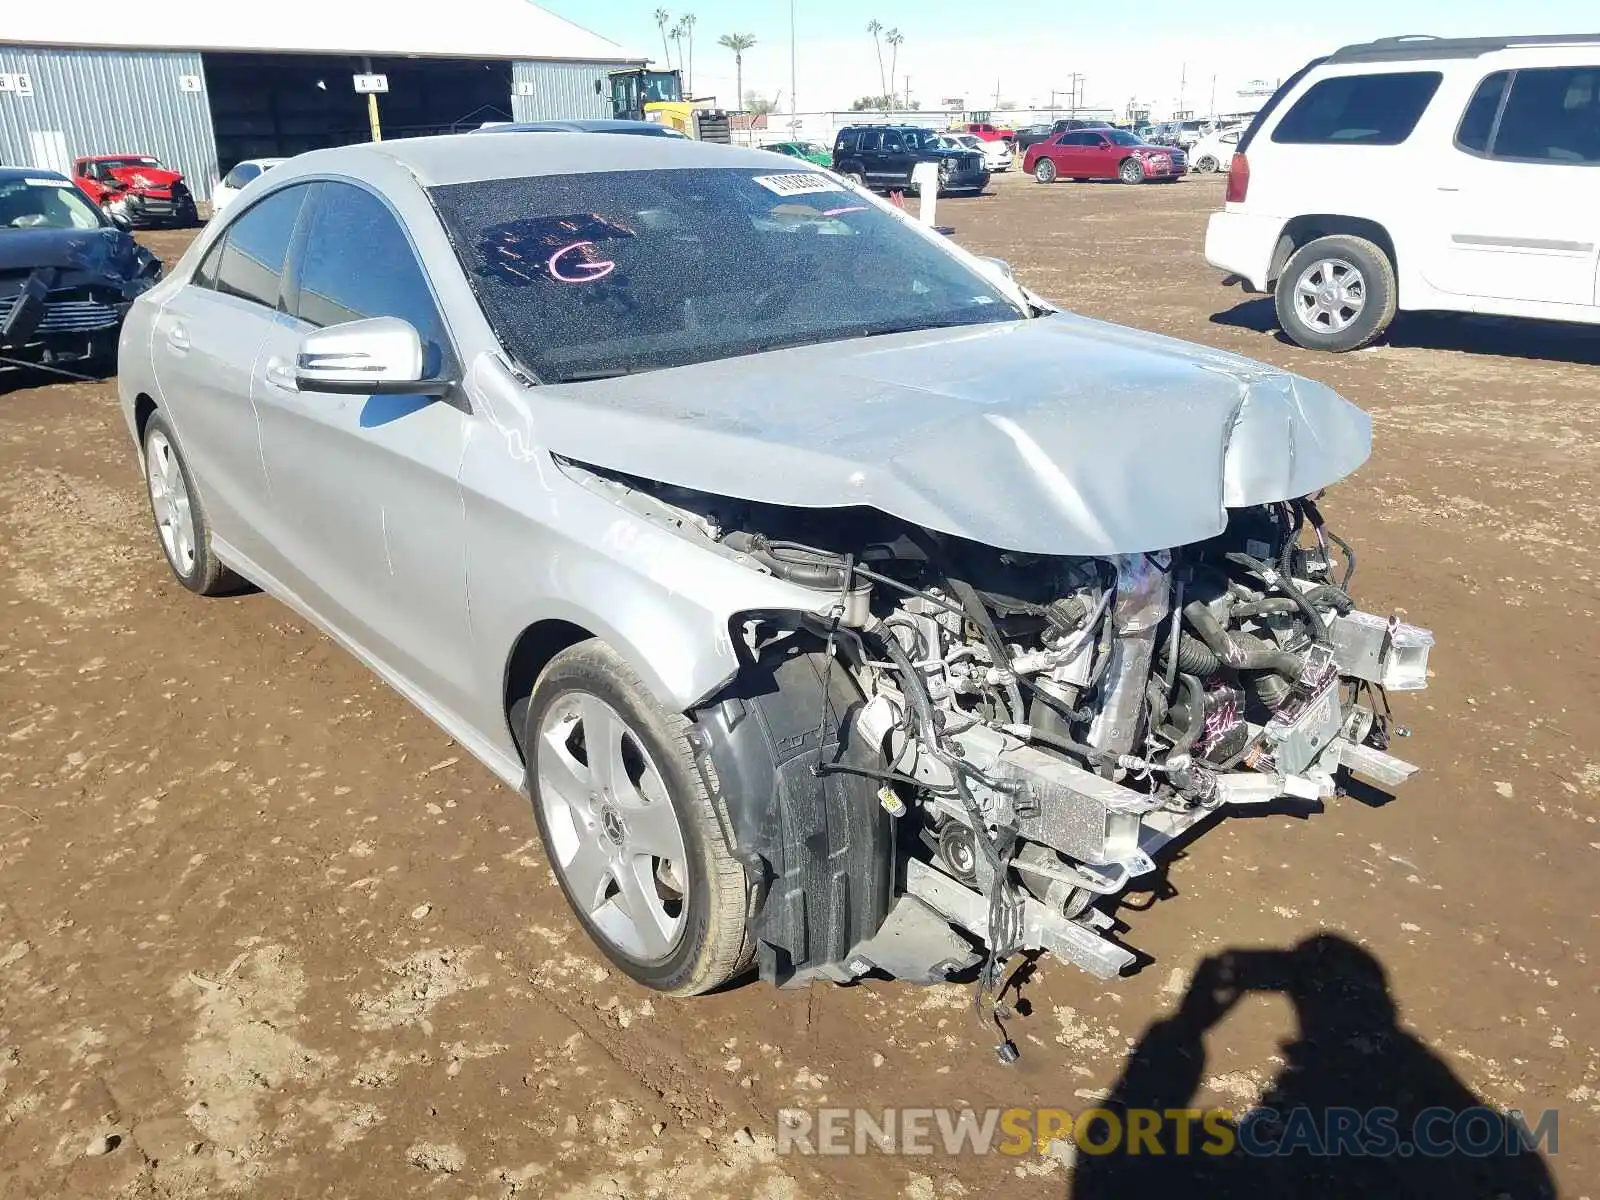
point(202, 86)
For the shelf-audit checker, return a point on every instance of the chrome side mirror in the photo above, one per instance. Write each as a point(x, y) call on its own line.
point(376, 356)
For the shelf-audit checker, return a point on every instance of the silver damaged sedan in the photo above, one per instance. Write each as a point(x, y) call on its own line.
point(842, 607)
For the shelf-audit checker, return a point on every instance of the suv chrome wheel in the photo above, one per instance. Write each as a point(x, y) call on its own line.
point(614, 836)
point(1330, 295)
point(1044, 171)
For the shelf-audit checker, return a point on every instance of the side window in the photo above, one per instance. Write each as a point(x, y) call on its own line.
point(892, 143)
point(1362, 110)
point(241, 175)
point(1552, 115)
point(358, 263)
point(871, 140)
point(248, 261)
point(1477, 122)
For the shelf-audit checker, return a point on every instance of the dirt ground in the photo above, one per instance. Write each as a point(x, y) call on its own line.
point(265, 931)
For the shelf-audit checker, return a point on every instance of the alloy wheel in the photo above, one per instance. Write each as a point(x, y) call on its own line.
point(614, 834)
point(1329, 295)
point(169, 500)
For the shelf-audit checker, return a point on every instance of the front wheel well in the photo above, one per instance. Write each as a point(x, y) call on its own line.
point(1302, 231)
point(535, 647)
point(143, 409)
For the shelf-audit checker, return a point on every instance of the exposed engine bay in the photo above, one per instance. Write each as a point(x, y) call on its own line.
point(1035, 729)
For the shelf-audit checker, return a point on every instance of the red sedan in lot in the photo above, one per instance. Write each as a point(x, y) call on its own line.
point(1082, 154)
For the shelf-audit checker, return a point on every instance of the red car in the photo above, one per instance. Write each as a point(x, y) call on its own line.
point(1104, 154)
point(986, 132)
point(136, 189)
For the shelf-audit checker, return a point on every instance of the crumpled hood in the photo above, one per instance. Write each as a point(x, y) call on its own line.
point(108, 252)
point(152, 178)
point(1060, 435)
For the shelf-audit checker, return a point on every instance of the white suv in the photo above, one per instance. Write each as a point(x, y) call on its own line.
point(1421, 173)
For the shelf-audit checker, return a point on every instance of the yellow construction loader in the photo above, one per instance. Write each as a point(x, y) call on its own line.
point(644, 95)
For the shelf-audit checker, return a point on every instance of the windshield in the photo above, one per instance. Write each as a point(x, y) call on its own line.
point(1121, 137)
point(585, 276)
point(42, 203)
point(117, 163)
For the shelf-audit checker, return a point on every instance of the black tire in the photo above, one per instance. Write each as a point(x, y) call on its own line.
point(1045, 171)
point(1380, 293)
point(1206, 165)
point(855, 177)
point(714, 945)
point(205, 575)
point(1131, 171)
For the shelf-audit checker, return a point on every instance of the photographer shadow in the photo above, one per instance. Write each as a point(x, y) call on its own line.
point(1350, 1057)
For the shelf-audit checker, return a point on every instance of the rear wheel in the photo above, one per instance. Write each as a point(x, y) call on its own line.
point(855, 177)
point(1131, 171)
point(629, 827)
point(180, 518)
point(1337, 293)
point(1206, 165)
point(1044, 171)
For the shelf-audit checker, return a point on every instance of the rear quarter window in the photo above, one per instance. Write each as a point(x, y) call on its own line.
point(1361, 110)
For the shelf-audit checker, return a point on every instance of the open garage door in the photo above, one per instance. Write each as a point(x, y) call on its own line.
point(267, 105)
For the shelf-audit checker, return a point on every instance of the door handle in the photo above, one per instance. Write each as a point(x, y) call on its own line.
point(279, 375)
point(178, 338)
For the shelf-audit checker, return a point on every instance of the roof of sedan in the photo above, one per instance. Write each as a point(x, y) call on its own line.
point(9, 173)
point(452, 158)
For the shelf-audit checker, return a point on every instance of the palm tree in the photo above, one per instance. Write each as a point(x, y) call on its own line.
point(738, 43)
point(687, 24)
point(875, 27)
point(894, 37)
point(677, 33)
point(662, 17)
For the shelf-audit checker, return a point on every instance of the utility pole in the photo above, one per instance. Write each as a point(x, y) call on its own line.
point(794, 111)
point(1183, 85)
point(1213, 98)
point(908, 93)
point(372, 104)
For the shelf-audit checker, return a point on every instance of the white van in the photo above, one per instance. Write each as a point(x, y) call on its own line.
point(1421, 173)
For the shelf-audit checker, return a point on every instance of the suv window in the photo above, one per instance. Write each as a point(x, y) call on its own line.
point(892, 143)
point(358, 263)
point(846, 142)
point(1365, 110)
point(871, 139)
point(248, 260)
point(242, 174)
point(1551, 115)
point(1477, 122)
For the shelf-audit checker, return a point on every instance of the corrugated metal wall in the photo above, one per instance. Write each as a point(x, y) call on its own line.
point(109, 102)
point(560, 91)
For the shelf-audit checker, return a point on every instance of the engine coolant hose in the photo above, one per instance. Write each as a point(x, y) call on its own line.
point(1240, 651)
point(1284, 585)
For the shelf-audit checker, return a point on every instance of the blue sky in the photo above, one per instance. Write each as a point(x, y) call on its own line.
point(1027, 48)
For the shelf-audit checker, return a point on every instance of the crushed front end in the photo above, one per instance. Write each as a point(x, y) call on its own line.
point(1029, 732)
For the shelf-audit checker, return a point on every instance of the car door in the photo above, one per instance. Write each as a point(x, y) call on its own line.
point(365, 487)
point(1100, 157)
point(897, 159)
point(870, 150)
point(1519, 198)
point(206, 340)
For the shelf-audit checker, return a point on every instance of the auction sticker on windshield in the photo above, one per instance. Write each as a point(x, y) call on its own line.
point(805, 183)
